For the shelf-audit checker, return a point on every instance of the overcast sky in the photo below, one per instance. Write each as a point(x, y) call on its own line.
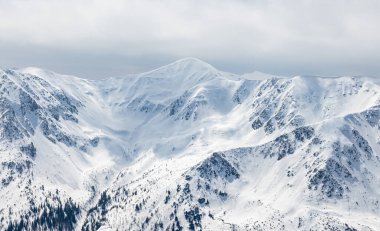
point(94, 39)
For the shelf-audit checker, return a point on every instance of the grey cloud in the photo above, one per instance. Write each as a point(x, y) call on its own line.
point(101, 38)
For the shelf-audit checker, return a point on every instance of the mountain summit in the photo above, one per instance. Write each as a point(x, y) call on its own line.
point(187, 63)
point(188, 147)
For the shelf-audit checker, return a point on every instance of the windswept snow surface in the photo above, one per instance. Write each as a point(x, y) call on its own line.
point(188, 147)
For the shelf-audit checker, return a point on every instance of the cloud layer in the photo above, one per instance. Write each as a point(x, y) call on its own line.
point(94, 38)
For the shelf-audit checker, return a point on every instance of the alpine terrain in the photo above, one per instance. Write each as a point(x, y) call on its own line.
point(188, 147)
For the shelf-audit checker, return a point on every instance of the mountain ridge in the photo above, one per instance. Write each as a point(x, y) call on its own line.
point(187, 146)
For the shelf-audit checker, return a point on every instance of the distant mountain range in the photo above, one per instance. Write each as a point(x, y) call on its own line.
point(188, 147)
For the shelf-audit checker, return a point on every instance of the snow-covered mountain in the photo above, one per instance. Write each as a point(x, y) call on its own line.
point(188, 147)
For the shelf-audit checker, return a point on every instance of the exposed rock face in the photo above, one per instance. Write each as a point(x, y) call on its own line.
point(217, 167)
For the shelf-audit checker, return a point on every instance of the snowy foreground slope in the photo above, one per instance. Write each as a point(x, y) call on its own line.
point(188, 147)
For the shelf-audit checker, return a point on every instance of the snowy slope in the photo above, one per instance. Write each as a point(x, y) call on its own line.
point(189, 147)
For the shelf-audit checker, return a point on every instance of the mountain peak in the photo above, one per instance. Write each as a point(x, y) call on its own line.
point(191, 61)
point(188, 65)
